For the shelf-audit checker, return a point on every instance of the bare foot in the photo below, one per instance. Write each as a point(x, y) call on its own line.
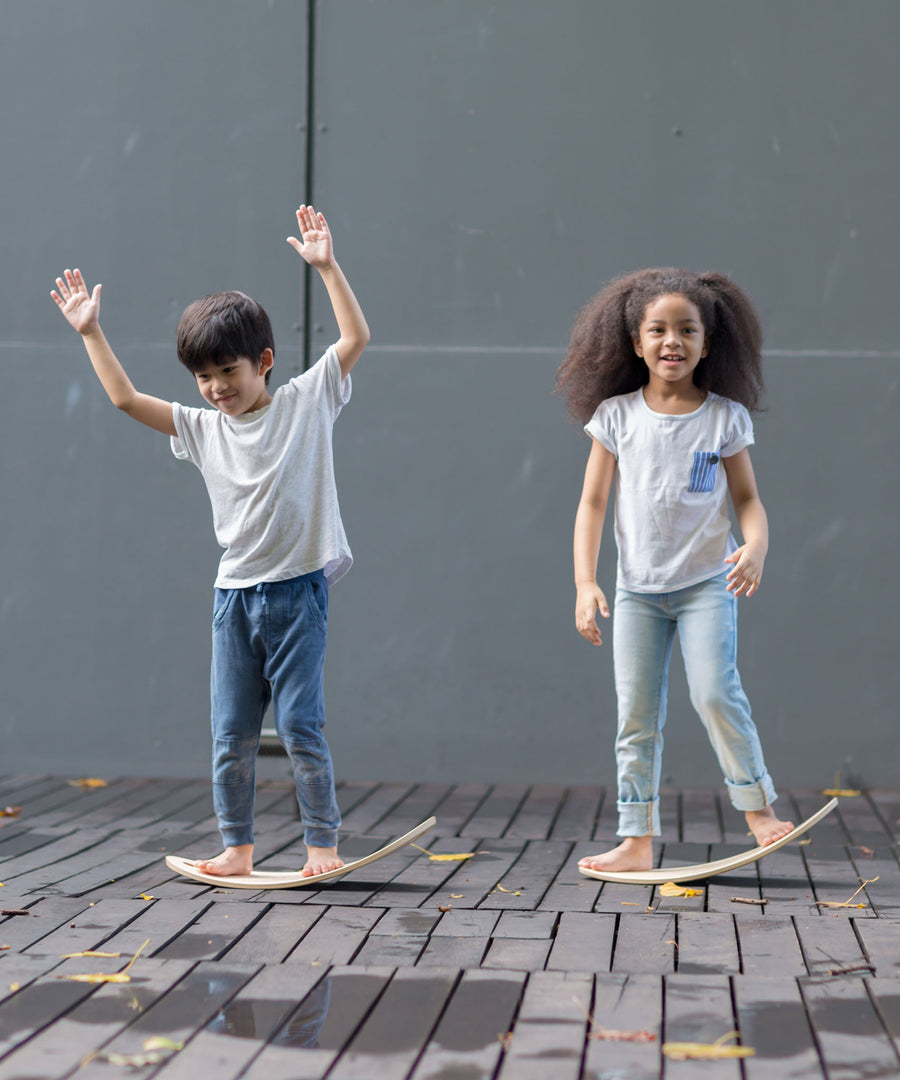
point(233, 862)
point(766, 827)
point(634, 853)
point(321, 859)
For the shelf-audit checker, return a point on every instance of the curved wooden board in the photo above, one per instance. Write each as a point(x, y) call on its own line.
point(662, 874)
point(292, 879)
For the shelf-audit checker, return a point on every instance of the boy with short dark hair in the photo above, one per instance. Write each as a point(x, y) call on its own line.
point(267, 463)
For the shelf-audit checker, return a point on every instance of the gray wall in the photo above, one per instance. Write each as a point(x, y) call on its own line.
point(484, 167)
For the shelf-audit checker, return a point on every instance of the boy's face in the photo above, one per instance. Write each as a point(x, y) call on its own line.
point(238, 386)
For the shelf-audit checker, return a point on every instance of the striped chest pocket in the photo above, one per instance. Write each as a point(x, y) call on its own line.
point(703, 471)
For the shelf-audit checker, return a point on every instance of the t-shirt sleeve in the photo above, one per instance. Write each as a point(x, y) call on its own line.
point(602, 427)
point(186, 444)
point(325, 383)
point(739, 433)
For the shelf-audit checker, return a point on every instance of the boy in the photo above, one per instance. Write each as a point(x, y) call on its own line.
point(267, 463)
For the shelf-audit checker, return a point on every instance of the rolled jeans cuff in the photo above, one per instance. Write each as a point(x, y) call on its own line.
point(638, 818)
point(754, 796)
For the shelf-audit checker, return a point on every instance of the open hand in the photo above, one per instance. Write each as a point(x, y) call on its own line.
point(589, 600)
point(744, 579)
point(315, 243)
point(81, 308)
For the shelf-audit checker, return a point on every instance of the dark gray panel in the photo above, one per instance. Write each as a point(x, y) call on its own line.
point(158, 145)
point(489, 164)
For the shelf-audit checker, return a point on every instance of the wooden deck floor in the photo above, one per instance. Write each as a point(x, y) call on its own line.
point(506, 965)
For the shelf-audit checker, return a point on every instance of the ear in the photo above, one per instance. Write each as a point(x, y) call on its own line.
point(636, 342)
point(704, 350)
point(266, 360)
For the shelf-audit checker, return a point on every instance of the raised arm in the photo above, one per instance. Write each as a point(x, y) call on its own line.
point(598, 478)
point(748, 560)
point(82, 310)
point(316, 248)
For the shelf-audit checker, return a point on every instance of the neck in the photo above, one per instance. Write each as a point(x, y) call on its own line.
point(673, 398)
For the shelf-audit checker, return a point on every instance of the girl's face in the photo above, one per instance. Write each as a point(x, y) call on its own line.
point(671, 340)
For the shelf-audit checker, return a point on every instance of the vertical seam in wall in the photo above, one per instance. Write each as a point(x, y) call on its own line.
point(309, 177)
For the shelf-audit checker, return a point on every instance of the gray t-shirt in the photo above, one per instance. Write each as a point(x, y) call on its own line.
point(672, 524)
point(270, 478)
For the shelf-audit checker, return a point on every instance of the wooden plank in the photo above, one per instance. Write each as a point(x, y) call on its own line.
point(828, 944)
point(414, 885)
point(700, 820)
point(213, 933)
point(64, 847)
point(397, 940)
point(393, 1035)
point(834, 878)
point(885, 803)
point(645, 943)
point(534, 818)
point(90, 928)
point(366, 815)
point(468, 1039)
point(707, 944)
point(459, 806)
point(549, 1036)
point(578, 815)
point(418, 805)
point(625, 1005)
point(772, 1020)
point(517, 954)
point(851, 1037)
point(743, 882)
point(190, 1005)
point(26, 931)
point(698, 1008)
point(96, 1019)
point(275, 935)
point(496, 811)
point(683, 854)
point(473, 880)
point(785, 883)
point(770, 947)
point(162, 921)
point(883, 895)
point(322, 1025)
point(583, 942)
point(885, 995)
point(880, 940)
point(35, 1007)
point(336, 937)
point(524, 884)
point(454, 952)
point(526, 924)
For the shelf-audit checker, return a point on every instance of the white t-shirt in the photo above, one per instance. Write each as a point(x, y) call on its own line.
point(672, 524)
point(270, 478)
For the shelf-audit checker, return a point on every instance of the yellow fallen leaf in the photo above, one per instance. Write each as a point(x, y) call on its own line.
point(156, 1051)
point(456, 896)
point(13, 987)
point(11, 811)
point(115, 977)
point(847, 903)
point(89, 952)
point(87, 782)
point(696, 1051)
point(144, 896)
point(841, 793)
point(443, 858)
point(671, 889)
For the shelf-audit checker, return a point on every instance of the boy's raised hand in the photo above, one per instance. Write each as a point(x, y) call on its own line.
point(315, 243)
point(81, 308)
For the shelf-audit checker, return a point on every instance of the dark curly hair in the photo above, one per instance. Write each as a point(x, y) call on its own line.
point(601, 361)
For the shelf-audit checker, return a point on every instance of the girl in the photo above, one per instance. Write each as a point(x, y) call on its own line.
point(662, 367)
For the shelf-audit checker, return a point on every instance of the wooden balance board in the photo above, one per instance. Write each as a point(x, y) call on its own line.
point(705, 870)
point(292, 879)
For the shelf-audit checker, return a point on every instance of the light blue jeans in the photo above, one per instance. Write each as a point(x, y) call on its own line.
point(705, 616)
point(268, 643)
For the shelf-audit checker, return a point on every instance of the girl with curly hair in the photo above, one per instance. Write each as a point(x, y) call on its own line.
point(662, 368)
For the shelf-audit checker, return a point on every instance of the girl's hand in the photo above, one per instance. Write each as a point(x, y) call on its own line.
point(748, 562)
point(82, 309)
point(315, 245)
point(588, 602)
